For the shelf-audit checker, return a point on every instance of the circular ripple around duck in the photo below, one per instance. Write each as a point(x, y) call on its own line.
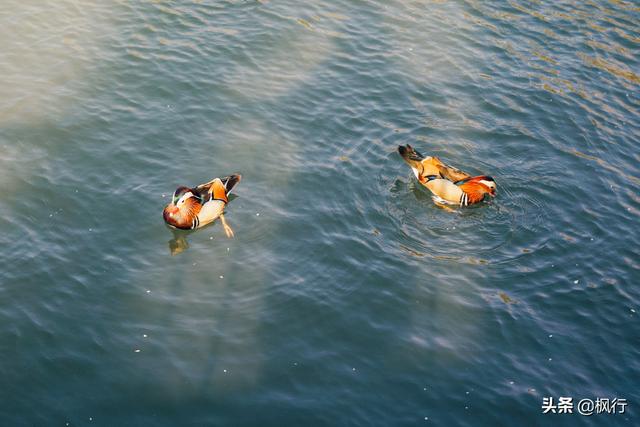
point(499, 230)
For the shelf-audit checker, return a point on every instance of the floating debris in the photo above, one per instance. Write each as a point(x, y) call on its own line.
point(506, 298)
point(304, 23)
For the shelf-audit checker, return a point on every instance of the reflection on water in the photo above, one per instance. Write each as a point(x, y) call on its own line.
point(179, 242)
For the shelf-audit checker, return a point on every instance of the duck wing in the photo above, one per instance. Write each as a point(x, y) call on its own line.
point(451, 173)
point(217, 188)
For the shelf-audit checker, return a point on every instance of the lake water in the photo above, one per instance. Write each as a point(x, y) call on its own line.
point(347, 296)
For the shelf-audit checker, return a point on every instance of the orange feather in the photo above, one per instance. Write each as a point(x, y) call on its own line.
point(475, 191)
point(218, 190)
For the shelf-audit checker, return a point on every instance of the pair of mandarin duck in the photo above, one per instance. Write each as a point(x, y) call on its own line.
point(192, 208)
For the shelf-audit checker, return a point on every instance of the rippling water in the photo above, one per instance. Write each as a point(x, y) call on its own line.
point(347, 297)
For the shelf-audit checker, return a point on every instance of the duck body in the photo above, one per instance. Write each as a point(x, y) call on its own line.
point(192, 208)
point(446, 182)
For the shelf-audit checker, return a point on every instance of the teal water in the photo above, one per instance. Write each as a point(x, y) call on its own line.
point(347, 296)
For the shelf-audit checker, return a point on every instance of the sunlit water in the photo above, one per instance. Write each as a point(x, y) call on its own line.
point(347, 296)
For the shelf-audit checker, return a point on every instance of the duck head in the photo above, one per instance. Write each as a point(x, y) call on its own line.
point(179, 212)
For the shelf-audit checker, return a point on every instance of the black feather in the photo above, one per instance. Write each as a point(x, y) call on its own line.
point(230, 181)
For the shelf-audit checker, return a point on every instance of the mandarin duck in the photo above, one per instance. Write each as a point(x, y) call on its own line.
point(192, 208)
point(446, 182)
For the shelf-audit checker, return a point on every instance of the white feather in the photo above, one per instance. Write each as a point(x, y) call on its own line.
point(416, 173)
point(490, 184)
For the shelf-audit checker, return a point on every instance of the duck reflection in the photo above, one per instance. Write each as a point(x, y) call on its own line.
point(179, 242)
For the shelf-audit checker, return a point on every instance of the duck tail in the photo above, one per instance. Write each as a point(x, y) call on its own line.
point(230, 181)
point(410, 155)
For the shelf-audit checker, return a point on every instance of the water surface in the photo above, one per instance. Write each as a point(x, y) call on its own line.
point(347, 296)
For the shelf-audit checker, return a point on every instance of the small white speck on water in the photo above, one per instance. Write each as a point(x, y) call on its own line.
point(466, 392)
point(550, 335)
point(91, 229)
point(632, 310)
point(466, 407)
point(144, 335)
point(511, 382)
point(90, 418)
point(210, 237)
point(257, 214)
point(195, 263)
point(353, 369)
point(425, 389)
point(164, 195)
point(224, 370)
point(576, 281)
point(50, 215)
point(426, 418)
point(550, 359)
point(148, 291)
point(222, 277)
point(227, 249)
point(295, 363)
point(137, 350)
